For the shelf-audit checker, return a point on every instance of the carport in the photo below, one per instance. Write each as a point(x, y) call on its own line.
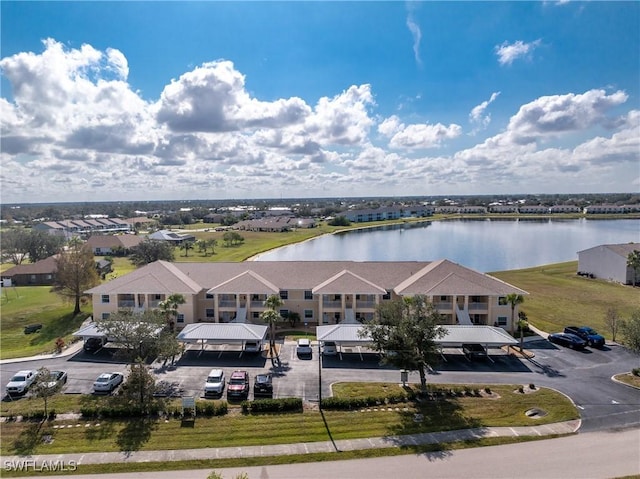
point(93, 331)
point(455, 337)
point(222, 333)
point(486, 336)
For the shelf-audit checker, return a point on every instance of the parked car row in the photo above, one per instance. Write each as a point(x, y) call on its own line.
point(238, 386)
point(20, 382)
point(575, 337)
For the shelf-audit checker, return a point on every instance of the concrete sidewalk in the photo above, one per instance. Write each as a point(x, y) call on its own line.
point(567, 427)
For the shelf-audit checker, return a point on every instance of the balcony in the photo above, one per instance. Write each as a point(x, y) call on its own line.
point(443, 305)
point(126, 303)
point(479, 306)
point(365, 304)
point(326, 304)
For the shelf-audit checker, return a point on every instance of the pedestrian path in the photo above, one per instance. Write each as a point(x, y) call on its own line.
point(567, 427)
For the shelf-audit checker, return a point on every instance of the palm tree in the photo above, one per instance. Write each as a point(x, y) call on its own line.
point(514, 300)
point(271, 316)
point(169, 308)
point(633, 262)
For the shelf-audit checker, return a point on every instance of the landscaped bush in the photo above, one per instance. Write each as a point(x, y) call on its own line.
point(272, 405)
point(210, 409)
point(635, 371)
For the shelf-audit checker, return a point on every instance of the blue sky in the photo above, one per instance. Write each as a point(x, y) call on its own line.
point(106, 101)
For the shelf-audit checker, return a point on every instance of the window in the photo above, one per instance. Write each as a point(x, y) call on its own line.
point(308, 314)
point(386, 295)
point(284, 313)
point(502, 320)
point(255, 315)
point(284, 294)
point(106, 315)
point(209, 313)
point(209, 296)
point(105, 299)
point(180, 318)
point(158, 297)
point(308, 295)
point(444, 298)
point(502, 301)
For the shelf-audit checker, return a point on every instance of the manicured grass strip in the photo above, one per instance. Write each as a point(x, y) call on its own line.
point(217, 464)
point(238, 429)
point(558, 297)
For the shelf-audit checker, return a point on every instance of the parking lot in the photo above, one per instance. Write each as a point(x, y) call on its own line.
point(585, 376)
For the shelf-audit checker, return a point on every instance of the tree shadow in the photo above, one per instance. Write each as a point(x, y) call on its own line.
point(135, 433)
point(432, 424)
point(545, 369)
point(29, 439)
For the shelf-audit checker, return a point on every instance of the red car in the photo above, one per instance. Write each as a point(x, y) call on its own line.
point(238, 385)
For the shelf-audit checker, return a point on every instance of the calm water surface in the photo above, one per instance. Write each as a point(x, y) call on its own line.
point(484, 245)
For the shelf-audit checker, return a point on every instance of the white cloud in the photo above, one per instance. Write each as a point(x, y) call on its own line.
point(416, 33)
point(477, 115)
point(550, 116)
point(212, 98)
point(417, 136)
point(75, 130)
point(508, 53)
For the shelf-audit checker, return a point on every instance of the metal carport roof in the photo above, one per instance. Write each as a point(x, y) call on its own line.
point(222, 332)
point(93, 331)
point(456, 335)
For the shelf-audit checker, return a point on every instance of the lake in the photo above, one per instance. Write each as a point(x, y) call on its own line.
point(482, 244)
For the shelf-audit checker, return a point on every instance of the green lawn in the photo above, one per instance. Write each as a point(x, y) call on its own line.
point(506, 407)
point(558, 297)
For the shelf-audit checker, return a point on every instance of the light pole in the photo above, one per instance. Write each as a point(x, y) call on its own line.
point(319, 377)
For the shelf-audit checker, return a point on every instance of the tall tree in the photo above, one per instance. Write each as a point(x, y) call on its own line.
point(75, 272)
point(138, 389)
point(613, 322)
point(169, 308)
point(631, 330)
point(41, 245)
point(633, 262)
point(136, 333)
point(405, 332)
point(149, 251)
point(186, 246)
point(44, 388)
point(272, 317)
point(14, 244)
point(514, 300)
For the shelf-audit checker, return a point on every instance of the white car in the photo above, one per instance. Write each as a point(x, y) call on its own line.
point(215, 383)
point(252, 347)
point(107, 382)
point(329, 348)
point(21, 381)
point(304, 347)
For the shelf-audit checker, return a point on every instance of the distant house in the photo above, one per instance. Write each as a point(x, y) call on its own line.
point(608, 261)
point(71, 228)
point(40, 273)
point(166, 235)
point(603, 209)
point(503, 208)
point(533, 210)
point(113, 244)
point(389, 213)
point(564, 209)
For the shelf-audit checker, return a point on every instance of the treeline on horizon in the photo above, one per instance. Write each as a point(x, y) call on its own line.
point(27, 212)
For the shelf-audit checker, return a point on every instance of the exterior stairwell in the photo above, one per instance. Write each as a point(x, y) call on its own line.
point(349, 317)
point(241, 316)
point(463, 316)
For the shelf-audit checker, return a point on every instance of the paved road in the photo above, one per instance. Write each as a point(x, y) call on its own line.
point(596, 455)
point(583, 376)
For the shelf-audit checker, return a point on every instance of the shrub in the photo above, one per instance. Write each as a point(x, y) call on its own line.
point(272, 405)
point(521, 390)
point(487, 390)
point(532, 386)
point(635, 371)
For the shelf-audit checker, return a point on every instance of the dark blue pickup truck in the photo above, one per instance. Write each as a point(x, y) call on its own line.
point(591, 336)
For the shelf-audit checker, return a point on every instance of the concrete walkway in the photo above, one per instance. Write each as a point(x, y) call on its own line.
point(567, 427)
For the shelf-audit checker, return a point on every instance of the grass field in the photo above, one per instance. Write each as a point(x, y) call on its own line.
point(558, 297)
point(506, 407)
